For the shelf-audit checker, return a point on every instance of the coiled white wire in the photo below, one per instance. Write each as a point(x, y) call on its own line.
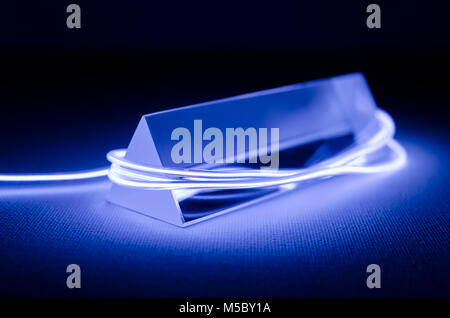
point(131, 174)
point(134, 175)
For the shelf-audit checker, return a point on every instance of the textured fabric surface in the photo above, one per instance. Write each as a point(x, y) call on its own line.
point(314, 241)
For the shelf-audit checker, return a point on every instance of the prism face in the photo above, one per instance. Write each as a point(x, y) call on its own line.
point(142, 147)
point(302, 112)
point(315, 121)
point(158, 204)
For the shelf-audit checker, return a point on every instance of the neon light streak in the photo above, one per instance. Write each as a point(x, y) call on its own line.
point(77, 175)
point(134, 175)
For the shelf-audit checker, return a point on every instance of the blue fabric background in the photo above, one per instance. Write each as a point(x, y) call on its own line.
point(314, 241)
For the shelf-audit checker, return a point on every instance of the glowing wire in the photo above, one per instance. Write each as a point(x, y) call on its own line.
point(142, 183)
point(78, 175)
point(131, 174)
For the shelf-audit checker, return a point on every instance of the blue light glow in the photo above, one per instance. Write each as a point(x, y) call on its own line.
point(131, 174)
point(328, 127)
point(64, 176)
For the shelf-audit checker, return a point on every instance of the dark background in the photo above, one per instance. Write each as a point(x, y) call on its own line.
point(84, 90)
point(67, 96)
